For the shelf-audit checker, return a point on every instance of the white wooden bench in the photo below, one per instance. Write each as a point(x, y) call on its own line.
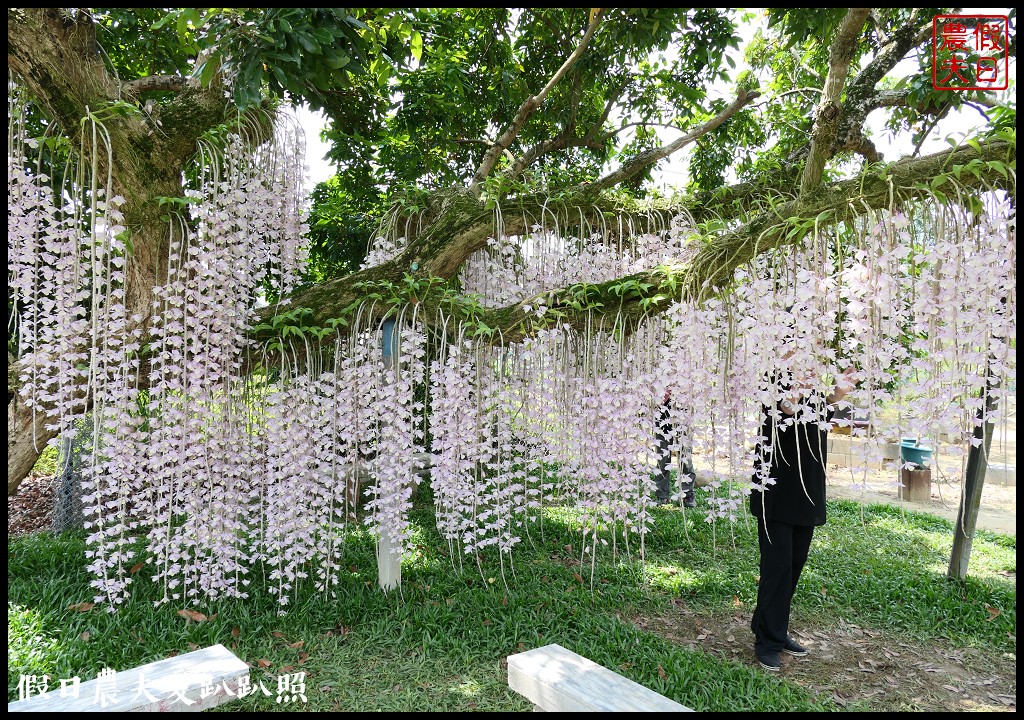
point(190, 682)
point(558, 680)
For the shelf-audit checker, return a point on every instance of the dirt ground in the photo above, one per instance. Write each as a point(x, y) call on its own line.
point(849, 664)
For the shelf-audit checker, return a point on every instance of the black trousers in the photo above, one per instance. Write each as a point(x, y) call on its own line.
point(784, 550)
point(663, 479)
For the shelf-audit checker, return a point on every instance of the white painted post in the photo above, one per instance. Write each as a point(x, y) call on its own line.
point(389, 564)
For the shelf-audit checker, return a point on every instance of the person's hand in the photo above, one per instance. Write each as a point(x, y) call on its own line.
point(847, 381)
point(844, 384)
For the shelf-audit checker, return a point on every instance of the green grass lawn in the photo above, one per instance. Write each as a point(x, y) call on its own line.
point(440, 643)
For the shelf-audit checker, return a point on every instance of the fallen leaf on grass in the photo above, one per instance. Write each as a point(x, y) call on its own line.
point(193, 615)
point(85, 636)
point(193, 646)
point(234, 632)
point(278, 634)
point(286, 669)
point(993, 613)
point(263, 663)
point(297, 645)
point(579, 578)
point(661, 672)
point(135, 568)
point(487, 622)
point(82, 607)
point(303, 656)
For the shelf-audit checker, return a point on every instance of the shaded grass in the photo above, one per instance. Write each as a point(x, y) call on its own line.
point(440, 643)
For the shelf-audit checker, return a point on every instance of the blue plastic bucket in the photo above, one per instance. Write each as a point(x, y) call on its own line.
point(919, 455)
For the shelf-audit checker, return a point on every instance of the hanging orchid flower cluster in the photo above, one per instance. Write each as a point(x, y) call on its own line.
point(50, 256)
point(399, 437)
point(963, 305)
point(243, 231)
point(514, 268)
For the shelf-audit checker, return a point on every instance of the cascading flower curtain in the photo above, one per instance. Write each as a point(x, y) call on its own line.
point(238, 460)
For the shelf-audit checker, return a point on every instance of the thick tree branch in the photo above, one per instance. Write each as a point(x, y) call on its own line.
point(54, 54)
point(829, 112)
point(860, 92)
point(653, 291)
point(635, 166)
point(901, 98)
point(530, 106)
point(154, 83)
point(900, 182)
point(468, 226)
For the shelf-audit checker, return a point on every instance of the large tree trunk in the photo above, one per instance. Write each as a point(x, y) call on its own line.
point(26, 438)
point(54, 54)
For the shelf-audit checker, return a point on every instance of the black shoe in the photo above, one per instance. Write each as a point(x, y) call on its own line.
point(769, 660)
point(689, 500)
point(792, 647)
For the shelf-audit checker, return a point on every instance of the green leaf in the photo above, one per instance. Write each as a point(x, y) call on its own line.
point(337, 62)
point(308, 42)
point(416, 45)
point(279, 75)
point(999, 168)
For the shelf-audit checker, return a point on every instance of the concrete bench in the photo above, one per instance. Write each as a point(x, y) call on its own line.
point(194, 681)
point(558, 680)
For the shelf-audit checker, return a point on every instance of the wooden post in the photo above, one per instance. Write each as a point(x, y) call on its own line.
point(916, 484)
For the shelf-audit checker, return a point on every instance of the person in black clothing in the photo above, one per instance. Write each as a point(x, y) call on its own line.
point(687, 476)
point(791, 451)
